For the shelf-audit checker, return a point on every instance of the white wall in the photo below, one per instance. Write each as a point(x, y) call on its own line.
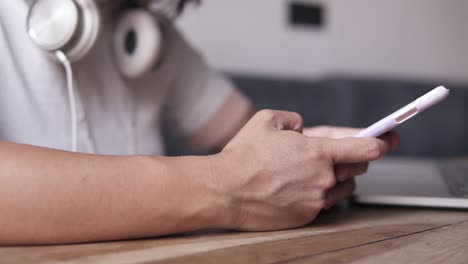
point(416, 39)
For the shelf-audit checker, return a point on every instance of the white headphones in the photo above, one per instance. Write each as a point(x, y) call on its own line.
point(68, 29)
point(73, 26)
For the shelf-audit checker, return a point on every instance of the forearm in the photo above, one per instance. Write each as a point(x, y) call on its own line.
point(49, 196)
point(224, 125)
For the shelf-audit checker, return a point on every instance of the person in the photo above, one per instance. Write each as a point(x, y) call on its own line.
point(268, 173)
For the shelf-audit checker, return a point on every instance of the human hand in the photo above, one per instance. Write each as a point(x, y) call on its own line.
point(331, 131)
point(345, 173)
point(277, 178)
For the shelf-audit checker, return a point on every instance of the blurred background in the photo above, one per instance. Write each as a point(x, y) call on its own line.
point(345, 63)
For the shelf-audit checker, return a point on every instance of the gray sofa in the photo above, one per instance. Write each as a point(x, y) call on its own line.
point(341, 101)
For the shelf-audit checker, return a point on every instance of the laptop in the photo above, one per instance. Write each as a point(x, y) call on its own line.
point(415, 182)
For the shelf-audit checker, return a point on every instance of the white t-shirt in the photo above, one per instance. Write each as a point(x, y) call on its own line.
point(34, 107)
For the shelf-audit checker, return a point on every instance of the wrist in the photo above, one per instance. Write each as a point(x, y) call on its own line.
point(225, 172)
point(202, 201)
point(221, 202)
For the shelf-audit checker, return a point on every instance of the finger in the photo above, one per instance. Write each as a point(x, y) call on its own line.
point(345, 132)
point(331, 131)
point(344, 172)
point(340, 193)
point(355, 150)
point(282, 120)
point(393, 139)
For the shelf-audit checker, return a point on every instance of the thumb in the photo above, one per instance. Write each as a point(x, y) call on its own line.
point(355, 150)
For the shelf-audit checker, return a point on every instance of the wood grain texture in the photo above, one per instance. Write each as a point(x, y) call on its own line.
point(356, 235)
point(447, 244)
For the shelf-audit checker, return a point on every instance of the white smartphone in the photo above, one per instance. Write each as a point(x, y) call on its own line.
point(422, 103)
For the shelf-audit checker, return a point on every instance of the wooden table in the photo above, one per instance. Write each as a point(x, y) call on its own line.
point(359, 234)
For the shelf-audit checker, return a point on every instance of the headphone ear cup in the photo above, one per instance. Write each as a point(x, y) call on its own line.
point(89, 31)
point(71, 26)
point(137, 43)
